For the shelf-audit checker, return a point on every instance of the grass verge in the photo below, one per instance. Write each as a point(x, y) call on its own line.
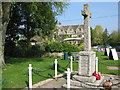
point(15, 75)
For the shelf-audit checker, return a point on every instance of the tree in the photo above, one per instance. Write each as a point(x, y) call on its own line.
point(105, 37)
point(13, 25)
point(114, 38)
point(98, 34)
point(55, 8)
point(92, 36)
point(36, 18)
point(4, 18)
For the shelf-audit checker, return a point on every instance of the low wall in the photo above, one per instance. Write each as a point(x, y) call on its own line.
point(76, 54)
point(57, 54)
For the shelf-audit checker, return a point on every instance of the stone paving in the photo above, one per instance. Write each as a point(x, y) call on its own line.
point(58, 83)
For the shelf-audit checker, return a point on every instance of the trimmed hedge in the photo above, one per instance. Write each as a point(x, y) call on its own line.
point(61, 47)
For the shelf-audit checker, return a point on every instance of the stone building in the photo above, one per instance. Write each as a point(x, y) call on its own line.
point(74, 31)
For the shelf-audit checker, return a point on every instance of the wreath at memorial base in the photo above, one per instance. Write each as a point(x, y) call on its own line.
point(98, 77)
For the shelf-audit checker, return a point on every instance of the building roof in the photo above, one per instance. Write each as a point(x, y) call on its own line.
point(71, 26)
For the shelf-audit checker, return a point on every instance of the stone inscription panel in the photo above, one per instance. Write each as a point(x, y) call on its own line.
point(84, 65)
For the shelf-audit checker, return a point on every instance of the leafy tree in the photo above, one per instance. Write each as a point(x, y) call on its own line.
point(98, 35)
point(12, 28)
point(105, 37)
point(55, 8)
point(36, 18)
point(114, 38)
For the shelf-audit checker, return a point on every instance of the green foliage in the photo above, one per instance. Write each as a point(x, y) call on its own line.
point(33, 18)
point(114, 38)
point(96, 35)
point(81, 46)
point(70, 48)
point(23, 43)
point(54, 47)
point(61, 47)
point(65, 36)
point(9, 48)
point(23, 50)
point(92, 35)
point(105, 37)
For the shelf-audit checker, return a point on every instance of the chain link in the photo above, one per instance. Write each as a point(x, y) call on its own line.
point(35, 72)
point(66, 65)
point(43, 70)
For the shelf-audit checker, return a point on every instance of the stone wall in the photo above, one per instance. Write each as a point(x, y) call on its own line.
point(76, 54)
point(57, 54)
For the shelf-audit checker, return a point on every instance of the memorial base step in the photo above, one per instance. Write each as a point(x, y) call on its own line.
point(90, 79)
point(79, 84)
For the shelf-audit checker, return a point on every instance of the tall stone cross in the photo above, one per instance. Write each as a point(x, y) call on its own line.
point(86, 57)
point(87, 34)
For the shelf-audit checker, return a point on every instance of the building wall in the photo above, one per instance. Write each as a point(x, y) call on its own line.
point(72, 30)
point(69, 30)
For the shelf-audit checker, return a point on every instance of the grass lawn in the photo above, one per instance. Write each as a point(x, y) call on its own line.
point(103, 67)
point(15, 75)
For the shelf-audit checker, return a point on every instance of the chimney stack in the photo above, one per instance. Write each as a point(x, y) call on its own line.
point(59, 23)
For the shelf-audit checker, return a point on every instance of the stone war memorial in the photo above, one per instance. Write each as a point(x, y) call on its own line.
point(87, 59)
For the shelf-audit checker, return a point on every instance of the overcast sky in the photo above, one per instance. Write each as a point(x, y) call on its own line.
point(103, 13)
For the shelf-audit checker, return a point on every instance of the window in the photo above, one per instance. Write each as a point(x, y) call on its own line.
point(79, 29)
point(70, 29)
point(61, 30)
point(80, 35)
point(75, 32)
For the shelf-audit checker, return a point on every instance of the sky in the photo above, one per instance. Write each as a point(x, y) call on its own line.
point(103, 13)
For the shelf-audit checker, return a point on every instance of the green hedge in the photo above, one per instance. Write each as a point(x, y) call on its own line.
point(61, 47)
point(23, 50)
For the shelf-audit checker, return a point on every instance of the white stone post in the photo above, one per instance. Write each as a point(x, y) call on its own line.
point(96, 64)
point(55, 68)
point(71, 65)
point(30, 77)
point(68, 78)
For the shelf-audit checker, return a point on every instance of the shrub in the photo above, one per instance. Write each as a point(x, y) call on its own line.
point(9, 48)
point(28, 51)
point(54, 47)
point(58, 56)
point(61, 47)
point(23, 44)
point(51, 56)
point(81, 46)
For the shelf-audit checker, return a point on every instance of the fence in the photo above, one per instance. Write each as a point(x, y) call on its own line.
point(56, 65)
point(69, 70)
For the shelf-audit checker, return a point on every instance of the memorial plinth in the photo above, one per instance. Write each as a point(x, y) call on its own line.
point(86, 63)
